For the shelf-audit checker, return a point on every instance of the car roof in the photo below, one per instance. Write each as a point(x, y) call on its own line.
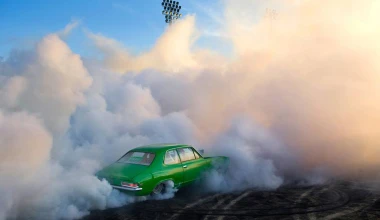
point(159, 147)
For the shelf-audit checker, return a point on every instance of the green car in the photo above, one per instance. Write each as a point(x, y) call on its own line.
point(152, 169)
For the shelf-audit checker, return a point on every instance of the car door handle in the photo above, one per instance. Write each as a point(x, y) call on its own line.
point(184, 166)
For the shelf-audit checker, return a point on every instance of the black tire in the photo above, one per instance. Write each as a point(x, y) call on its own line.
point(159, 189)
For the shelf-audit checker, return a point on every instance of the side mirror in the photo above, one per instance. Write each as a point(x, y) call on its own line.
point(202, 152)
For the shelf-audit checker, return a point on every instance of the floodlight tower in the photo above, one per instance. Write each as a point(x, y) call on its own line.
point(271, 14)
point(171, 10)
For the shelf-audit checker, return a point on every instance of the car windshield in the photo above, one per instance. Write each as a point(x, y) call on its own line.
point(135, 157)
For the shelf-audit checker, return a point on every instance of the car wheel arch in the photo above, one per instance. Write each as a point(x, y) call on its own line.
point(166, 183)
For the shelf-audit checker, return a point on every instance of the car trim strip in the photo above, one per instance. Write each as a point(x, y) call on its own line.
point(127, 188)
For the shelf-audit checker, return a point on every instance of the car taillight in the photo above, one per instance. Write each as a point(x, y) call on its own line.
point(129, 184)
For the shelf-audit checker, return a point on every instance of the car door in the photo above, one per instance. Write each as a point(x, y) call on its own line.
point(192, 164)
point(173, 167)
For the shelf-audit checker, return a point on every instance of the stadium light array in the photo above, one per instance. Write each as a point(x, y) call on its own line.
point(171, 10)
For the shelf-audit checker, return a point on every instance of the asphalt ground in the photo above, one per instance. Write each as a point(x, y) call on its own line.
point(335, 200)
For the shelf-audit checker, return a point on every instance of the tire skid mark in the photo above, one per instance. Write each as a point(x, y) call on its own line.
point(341, 200)
point(220, 202)
point(233, 202)
point(200, 201)
point(336, 200)
point(343, 213)
point(346, 212)
point(299, 200)
point(312, 215)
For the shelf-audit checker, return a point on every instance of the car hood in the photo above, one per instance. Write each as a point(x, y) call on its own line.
point(122, 171)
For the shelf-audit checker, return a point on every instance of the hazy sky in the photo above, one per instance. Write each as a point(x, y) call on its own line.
point(135, 23)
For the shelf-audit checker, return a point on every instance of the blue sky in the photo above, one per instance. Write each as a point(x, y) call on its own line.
point(135, 23)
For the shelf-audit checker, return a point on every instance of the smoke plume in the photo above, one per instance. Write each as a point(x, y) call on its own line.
point(297, 101)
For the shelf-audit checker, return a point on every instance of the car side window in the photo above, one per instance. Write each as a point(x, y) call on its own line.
point(171, 157)
point(186, 154)
point(197, 156)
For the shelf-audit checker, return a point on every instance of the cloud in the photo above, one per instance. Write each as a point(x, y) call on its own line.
point(68, 28)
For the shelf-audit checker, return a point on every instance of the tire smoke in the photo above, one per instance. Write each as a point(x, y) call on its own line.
point(296, 103)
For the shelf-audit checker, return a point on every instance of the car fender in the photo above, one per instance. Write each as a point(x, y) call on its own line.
point(144, 179)
point(166, 180)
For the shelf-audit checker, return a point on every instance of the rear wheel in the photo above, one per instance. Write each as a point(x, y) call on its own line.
point(159, 189)
point(164, 190)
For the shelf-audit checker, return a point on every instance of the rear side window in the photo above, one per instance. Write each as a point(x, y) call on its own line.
point(186, 154)
point(171, 157)
point(141, 158)
point(197, 156)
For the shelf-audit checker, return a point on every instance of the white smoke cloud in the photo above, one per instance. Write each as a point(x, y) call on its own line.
point(40, 91)
point(299, 89)
point(20, 160)
point(297, 102)
point(48, 81)
point(173, 52)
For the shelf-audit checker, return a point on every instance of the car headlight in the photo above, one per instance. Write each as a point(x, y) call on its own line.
point(132, 185)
